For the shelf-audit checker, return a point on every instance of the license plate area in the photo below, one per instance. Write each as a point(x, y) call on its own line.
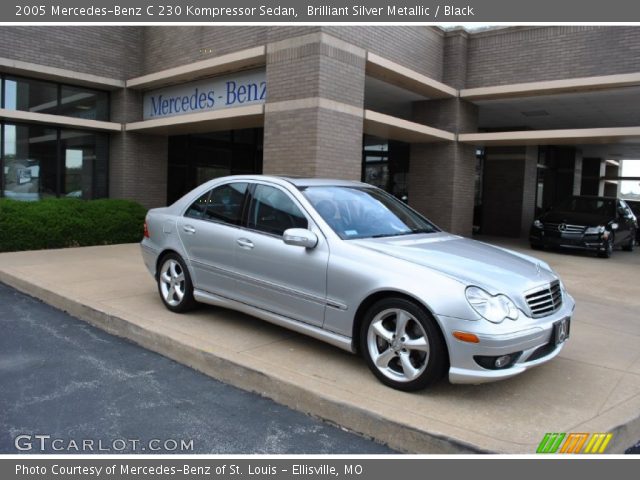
point(561, 330)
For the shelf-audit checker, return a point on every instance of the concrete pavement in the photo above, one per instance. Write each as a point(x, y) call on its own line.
point(593, 386)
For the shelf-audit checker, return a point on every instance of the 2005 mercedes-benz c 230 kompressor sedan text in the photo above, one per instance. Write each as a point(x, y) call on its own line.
point(349, 264)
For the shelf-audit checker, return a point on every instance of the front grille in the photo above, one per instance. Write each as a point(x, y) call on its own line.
point(545, 301)
point(564, 228)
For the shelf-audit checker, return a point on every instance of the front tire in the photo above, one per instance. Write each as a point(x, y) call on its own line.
point(632, 243)
point(403, 345)
point(174, 284)
point(606, 253)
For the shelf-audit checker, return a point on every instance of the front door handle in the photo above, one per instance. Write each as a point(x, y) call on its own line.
point(189, 229)
point(245, 243)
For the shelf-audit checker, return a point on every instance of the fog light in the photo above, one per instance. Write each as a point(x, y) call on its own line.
point(497, 363)
point(502, 361)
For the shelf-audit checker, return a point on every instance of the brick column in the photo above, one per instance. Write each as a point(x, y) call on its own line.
point(137, 161)
point(455, 52)
point(313, 115)
point(442, 175)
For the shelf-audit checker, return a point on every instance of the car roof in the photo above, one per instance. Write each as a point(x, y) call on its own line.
point(298, 182)
point(325, 182)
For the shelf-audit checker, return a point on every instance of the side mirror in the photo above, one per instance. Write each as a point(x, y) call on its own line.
point(300, 237)
point(614, 226)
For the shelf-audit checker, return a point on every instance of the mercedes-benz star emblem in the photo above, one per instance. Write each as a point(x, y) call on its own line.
point(562, 227)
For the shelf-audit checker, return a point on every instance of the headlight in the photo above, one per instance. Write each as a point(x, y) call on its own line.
point(493, 308)
point(595, 230)
point(538, 224)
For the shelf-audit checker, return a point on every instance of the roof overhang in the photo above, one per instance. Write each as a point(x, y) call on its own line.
point(44, 72)
point(554, 137)
point(59, 120)
point(251, 116)
point(403, 77)
point(394, 128)
point(551, 87)
point(232, 62)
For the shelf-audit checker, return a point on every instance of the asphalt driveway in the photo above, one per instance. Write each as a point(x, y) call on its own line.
point(63, 378)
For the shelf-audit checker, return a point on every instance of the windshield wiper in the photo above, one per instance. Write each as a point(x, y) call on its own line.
point(410, 232)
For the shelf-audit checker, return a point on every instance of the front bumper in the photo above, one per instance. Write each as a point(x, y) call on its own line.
point(594, 243)
point(534, 342)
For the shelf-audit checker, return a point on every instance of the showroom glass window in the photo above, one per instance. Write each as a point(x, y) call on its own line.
point(39, 161)
point(385, 164)
point(30, 162)
point(40, 96)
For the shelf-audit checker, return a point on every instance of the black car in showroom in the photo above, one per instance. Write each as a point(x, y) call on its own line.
point(598, 224)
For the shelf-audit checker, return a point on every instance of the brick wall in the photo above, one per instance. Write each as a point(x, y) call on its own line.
point(106, 51)
point(417, 47)
point(441, 184)
point(138, 168)
point(527, 54)
point(171, 46)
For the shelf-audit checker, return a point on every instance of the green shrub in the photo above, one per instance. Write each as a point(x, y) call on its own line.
point(68, 222)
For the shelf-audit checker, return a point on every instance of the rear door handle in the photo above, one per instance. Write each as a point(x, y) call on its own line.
point(189, 229)
point(245, 243)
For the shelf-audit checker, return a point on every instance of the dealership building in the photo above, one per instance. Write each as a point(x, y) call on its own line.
point(477, 130)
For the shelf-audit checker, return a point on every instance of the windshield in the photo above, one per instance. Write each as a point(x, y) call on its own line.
point(363, 212)
point(603, 206)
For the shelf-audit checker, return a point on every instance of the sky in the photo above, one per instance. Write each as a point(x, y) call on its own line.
point(630, 168)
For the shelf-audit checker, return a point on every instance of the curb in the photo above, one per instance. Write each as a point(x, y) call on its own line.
point(398, 436)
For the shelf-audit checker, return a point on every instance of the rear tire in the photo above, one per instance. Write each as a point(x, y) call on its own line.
point(403, 345)
point(174, 284)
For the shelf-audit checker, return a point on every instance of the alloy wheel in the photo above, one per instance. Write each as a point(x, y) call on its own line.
point(172, 282)
point(398, 345)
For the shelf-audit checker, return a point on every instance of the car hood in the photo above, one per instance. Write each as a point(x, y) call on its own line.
point(575, 218)
point(495, 269)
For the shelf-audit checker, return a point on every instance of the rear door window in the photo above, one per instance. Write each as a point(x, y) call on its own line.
point(222, 204)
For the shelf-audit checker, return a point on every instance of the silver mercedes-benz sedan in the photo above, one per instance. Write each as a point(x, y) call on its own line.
point(347, 263)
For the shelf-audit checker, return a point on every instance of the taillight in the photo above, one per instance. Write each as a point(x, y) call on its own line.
point(146, 230)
